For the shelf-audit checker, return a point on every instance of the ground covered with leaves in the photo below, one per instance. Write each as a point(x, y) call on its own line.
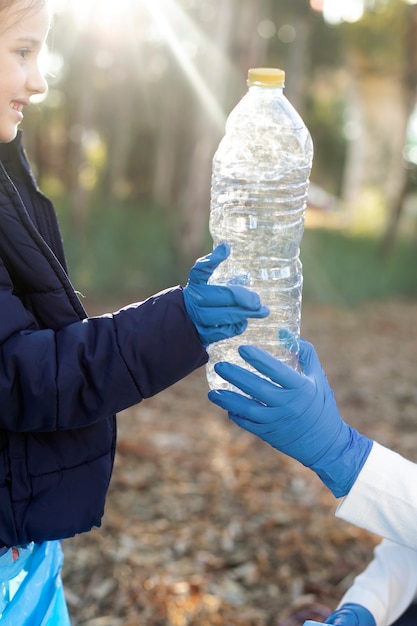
point(207, 526)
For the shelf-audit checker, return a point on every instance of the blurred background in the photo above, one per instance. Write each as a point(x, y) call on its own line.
point(204, 524)
point(139, 94)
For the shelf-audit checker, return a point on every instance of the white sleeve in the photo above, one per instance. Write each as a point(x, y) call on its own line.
point(383, 498)
point(388, 585)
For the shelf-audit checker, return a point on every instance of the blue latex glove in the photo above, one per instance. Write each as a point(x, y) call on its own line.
point(218, 311)
point(351, 614)
point(295, 413)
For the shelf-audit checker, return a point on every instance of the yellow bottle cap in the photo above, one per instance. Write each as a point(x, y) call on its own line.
point(266, 77)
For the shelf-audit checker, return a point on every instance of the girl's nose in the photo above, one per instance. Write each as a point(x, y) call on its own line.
point(36, 83)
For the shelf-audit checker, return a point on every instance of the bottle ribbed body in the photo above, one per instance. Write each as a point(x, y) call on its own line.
point(259, 192)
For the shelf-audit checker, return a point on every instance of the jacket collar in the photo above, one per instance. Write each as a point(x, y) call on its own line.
point(32, 265)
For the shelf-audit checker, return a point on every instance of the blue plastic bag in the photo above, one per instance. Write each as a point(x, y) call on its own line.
point(39, 598)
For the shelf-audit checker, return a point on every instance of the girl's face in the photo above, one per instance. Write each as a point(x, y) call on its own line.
point(22, 36)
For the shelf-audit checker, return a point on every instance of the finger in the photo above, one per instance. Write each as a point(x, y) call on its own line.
point(244, 297)
point(250, 425)
point(233, 402)
point(224, 332)
point(223, 316)
point(204, 267)
point(308, 359)
point(255, 386)
point(271, 367)
point(226, 295)
point(246, 412)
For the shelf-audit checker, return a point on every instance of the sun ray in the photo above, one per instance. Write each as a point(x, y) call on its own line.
point(200, 58)
point(174, 26)
point(177, 28)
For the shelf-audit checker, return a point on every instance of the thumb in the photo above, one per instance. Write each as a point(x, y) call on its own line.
point(309, 361)
point(204, 267)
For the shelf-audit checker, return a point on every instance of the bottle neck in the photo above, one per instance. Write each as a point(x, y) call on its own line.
point(265, 91)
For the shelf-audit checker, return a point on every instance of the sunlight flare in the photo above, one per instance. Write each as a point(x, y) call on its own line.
point(111, 20)
point(167, 15)
point(337, 11)
point(99, 13)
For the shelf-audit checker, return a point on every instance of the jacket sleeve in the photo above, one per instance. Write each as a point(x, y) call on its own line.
point(88, 370)
point(388, 585)
point(383, 498)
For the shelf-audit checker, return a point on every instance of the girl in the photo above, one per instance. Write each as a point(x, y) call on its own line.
point(64, 375)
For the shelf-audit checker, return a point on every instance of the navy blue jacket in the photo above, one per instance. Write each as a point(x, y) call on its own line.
point(63, 375)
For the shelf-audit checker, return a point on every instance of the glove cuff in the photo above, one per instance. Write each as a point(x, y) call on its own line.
point(341, 466)
point(351, 614)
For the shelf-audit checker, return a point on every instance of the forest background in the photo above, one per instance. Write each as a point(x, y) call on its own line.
point(139, 92)
point(204, 524)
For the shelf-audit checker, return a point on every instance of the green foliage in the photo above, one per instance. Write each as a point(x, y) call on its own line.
point(346, 269)
point(379, 36)
point(327, 47)
point(324, 117)
point(126, 107)
point(126, 251)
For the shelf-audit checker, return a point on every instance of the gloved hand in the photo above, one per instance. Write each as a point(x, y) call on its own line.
point(295, 413)
point(218, 311)
point(351, 614)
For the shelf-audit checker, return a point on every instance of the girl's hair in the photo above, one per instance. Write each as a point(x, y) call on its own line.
point(29, 5)
point(23, 7)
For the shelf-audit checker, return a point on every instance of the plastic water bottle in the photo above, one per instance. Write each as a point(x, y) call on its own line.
point(259, 193)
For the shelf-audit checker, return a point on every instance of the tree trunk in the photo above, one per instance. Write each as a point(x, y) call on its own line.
point(378, 115)
point(409, 87)
point(235, 37)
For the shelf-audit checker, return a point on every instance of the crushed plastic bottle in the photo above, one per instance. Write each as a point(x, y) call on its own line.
point(259, 193)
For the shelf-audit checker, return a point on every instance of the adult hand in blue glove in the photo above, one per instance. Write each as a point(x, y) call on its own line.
point(218, 311)
point(295, 413)
point(351, 614)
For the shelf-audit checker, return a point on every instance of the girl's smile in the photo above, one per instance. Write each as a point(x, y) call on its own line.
point(18, 107)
